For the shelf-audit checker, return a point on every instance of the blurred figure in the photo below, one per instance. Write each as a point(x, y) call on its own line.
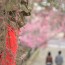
point(59, 59)
point(49, 60)
point(0, 57)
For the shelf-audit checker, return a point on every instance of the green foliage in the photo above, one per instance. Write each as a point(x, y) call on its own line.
point(13, 1)
point(56, 4)
point(50, 1)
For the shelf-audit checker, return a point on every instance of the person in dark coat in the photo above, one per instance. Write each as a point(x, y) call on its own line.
point(49, 60)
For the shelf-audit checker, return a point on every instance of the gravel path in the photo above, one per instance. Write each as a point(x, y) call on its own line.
point(39, 58)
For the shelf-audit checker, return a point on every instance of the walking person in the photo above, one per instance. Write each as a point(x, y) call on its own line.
point(49, 60)
point(59, 59)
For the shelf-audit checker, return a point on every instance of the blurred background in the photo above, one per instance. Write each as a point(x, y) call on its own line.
point(44, 31)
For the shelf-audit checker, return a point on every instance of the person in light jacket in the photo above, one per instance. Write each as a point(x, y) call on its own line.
point(59, 59)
